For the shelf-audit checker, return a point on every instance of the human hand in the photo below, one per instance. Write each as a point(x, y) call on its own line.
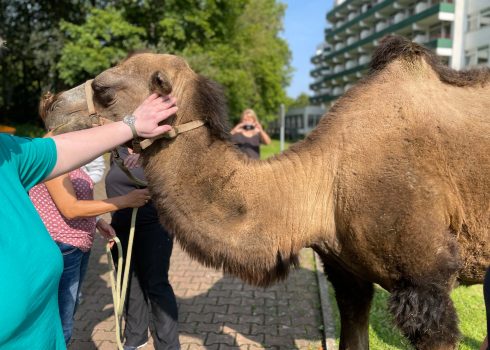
point(105, 230)
point(132, 161)
point(137, 198)
point(152, 111)
point(237, 128)
point(258, 126)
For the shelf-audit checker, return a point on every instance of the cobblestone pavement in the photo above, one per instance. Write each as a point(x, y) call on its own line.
point(215, 311)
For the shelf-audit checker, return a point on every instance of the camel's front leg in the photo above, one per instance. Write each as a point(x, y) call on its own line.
point(354, 301)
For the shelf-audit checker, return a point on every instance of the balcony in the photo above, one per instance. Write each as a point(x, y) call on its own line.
point(421, 6)
point(350, 64)
point(324, 91)
point(381, 25)
point(318, 79)
point(359, 19)
point(440, 43)
point(364, 59)
point(400, 16)
point(420, 38)
point(352, 15)
point(351, 40)
point(365, 33)
point(382, 28)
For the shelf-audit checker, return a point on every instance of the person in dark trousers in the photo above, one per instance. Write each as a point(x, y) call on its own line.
point(151, 302)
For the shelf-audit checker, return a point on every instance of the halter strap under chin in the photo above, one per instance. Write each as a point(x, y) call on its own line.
point(171, 134)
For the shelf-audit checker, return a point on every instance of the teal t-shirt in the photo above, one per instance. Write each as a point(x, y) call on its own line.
point(30, 262)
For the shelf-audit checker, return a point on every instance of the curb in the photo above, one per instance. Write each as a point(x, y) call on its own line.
point(328, 322)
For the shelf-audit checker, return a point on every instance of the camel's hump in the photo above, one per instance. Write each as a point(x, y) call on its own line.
point(395, 47)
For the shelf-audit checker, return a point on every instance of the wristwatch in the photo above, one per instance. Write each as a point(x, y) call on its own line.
point(130, 120)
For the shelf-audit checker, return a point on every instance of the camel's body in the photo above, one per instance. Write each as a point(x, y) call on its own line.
point(393, 187)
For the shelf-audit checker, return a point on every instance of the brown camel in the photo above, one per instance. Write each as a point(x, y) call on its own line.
point(392, 187)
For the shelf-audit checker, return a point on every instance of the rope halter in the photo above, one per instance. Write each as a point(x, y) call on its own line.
point(98, 120)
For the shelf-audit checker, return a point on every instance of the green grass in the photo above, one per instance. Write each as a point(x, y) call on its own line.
point(383, 336)
point(268, 150)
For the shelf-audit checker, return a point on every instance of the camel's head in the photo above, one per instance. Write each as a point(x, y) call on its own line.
point(117, 92)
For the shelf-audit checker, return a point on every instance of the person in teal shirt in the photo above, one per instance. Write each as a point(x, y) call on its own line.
point(30, 261)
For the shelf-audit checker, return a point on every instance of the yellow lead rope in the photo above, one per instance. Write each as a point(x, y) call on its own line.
point(119, 286)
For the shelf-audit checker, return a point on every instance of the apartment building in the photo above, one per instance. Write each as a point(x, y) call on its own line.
point(298, 122)
point(458, 31)
point(471, 34)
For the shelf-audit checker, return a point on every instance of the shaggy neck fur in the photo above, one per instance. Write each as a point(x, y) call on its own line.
point(247, 217)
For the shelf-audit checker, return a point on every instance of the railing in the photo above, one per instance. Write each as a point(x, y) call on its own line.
point(442, 7)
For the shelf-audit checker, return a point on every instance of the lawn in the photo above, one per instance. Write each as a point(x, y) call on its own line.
point(268, 150)
point(383, 336)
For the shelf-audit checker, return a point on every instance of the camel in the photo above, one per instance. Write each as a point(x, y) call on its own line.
point(392, 187)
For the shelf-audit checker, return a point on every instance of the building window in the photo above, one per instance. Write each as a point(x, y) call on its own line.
point(469, 59)
point(444, 60)
point(472, 22)
point(485, 18)
point(478, 57)
point(482, 56)
point(479, 20)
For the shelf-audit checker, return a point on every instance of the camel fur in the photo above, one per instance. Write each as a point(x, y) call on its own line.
point(392, 187)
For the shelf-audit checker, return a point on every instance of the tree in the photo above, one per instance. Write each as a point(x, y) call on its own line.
point(302, 100)
point(103, 40)
point(252, 63)
point(236, 43)
point(30, 29)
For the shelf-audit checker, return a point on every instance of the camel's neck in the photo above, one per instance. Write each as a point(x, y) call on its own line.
point(250, 217)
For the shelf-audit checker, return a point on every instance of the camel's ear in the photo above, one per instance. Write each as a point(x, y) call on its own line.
point(160, 83)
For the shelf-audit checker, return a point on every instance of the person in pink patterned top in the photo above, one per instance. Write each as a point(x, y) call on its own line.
point(68, 210)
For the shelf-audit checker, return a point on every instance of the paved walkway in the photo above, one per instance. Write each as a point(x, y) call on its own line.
point(215, 311)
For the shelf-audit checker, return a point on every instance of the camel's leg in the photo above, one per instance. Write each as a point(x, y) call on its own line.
point(354, 301)
point(426, 316)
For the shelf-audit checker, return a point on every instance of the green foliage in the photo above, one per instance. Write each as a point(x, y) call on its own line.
point(175, 25)
point(244, 53)
point(29, 130)
point(267, 151)
point(382, 335)
point(103, 40)
point(302, 100)
point(60, 44)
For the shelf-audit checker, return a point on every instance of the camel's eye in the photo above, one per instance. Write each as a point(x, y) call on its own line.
point(104, 95)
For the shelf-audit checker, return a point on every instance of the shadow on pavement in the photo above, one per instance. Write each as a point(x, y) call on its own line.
point(215, 311)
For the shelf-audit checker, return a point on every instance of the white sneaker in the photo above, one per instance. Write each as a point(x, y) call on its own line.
point(127, 347)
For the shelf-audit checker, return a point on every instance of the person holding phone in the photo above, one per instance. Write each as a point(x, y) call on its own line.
point(249, 134)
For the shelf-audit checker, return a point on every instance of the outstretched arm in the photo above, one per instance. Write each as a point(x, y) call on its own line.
point(64, 197)
point(80, 147)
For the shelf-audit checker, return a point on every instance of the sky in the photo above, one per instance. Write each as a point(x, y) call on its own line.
point(304, 26)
